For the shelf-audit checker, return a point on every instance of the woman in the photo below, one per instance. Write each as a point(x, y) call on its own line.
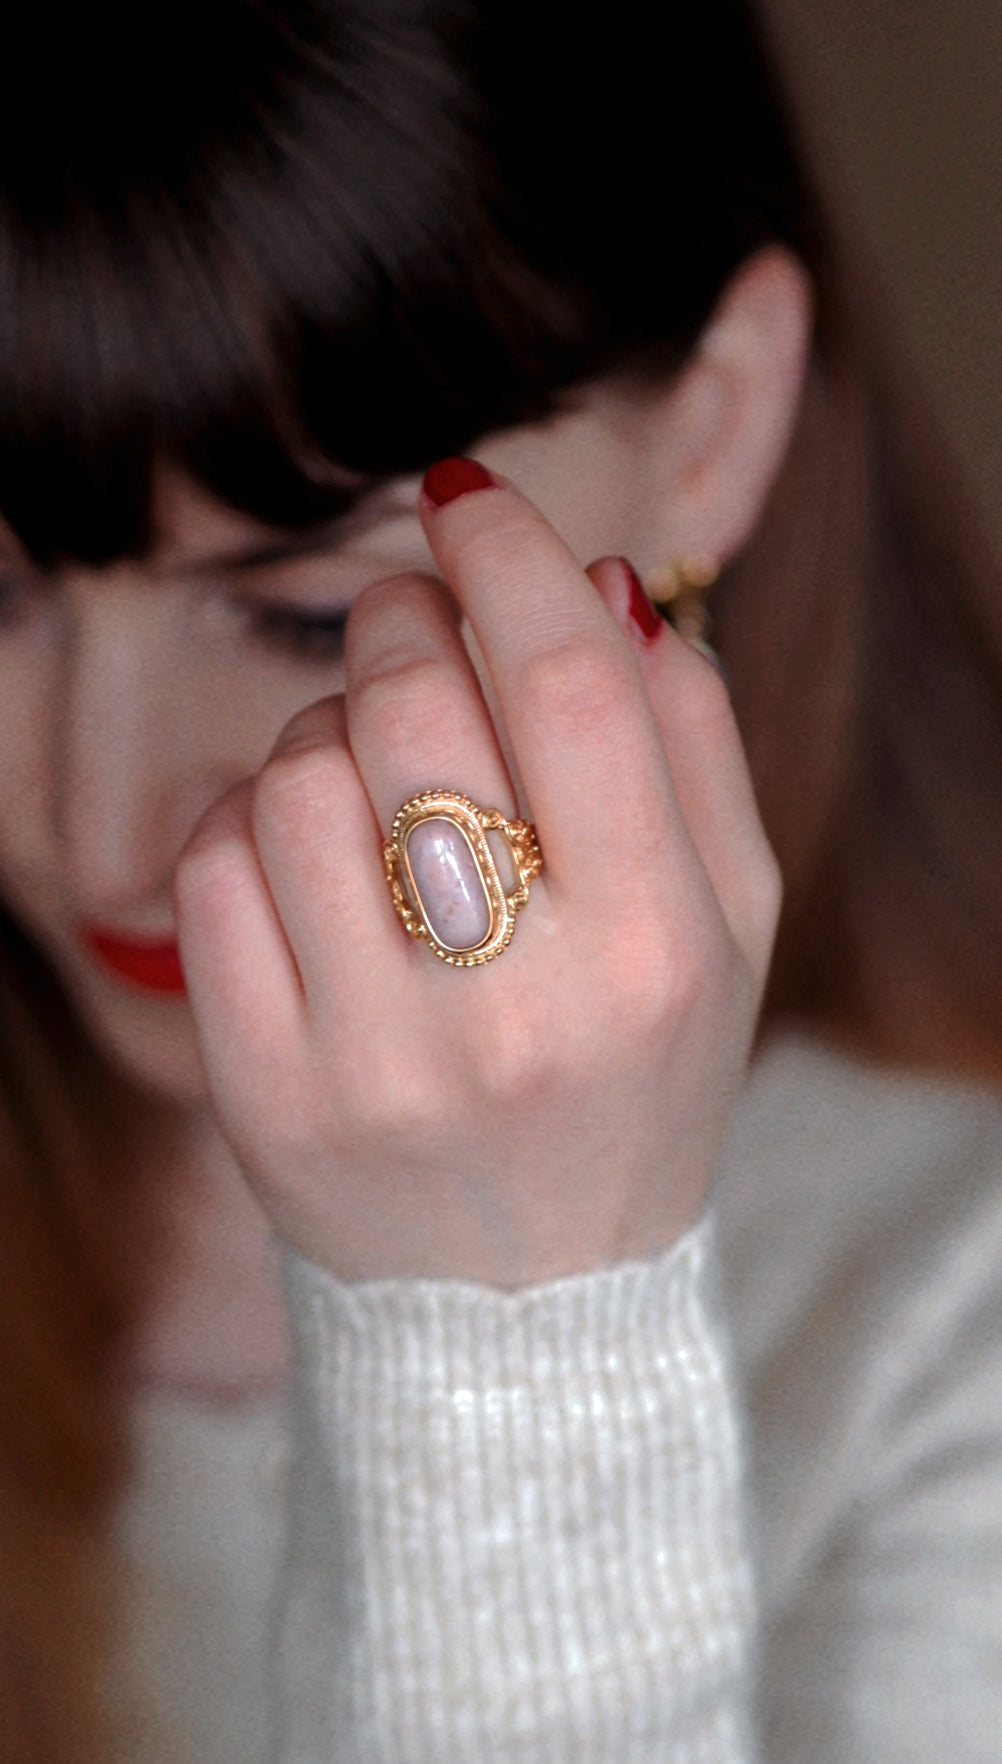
point(262, 268)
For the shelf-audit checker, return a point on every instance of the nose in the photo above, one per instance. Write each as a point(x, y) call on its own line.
point(130, 779)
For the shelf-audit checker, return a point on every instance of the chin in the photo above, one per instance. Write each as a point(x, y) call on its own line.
point(150, 1040)
point(143, 1026)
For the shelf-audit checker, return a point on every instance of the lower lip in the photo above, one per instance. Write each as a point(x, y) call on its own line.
point(150, 966)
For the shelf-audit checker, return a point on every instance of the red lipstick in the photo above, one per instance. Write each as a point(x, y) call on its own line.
point(152, 964)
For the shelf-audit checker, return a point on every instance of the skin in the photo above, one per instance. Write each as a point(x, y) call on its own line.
point(171, 762)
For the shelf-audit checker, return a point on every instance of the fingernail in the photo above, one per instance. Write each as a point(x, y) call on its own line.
point(643, 612)
point(451, 478)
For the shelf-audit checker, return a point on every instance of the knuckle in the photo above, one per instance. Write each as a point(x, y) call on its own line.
point(206, 867)
point(576, 685)
point(382, 602)
point(216, 852)
point(674, 970)
point(514, 1065)
point(755, 911)
point(310, 727)
point(406, 703)
point(207, 873)
point(765, 882)
point(396, 1111)
point(673, 984)
point(296, 786)
point(701, 698)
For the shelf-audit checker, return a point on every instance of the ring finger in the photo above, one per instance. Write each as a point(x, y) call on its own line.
point(418, 721)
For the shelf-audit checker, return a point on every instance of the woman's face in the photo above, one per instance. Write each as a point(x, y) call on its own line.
point(132, 697)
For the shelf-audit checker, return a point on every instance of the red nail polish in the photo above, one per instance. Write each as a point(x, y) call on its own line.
point(643, 612)
point(450, 478)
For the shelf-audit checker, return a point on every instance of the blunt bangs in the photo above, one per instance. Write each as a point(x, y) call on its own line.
point(255, 241)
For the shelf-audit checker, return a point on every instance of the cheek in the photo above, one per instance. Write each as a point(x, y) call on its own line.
point(27, 745)
point(584, 473)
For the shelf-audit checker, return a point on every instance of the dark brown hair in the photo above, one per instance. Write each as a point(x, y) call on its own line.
point(358, 232)
point(251, 239)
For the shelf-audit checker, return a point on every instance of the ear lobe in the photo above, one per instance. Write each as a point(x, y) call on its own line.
point(735, 404)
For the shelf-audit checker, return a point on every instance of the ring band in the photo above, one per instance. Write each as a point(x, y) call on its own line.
point(444, 876)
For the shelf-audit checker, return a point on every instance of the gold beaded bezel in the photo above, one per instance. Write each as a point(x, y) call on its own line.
point(473, 823)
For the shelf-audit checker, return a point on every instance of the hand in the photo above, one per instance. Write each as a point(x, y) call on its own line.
point(561, 1106)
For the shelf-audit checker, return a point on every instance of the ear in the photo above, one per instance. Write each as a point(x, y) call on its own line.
point(721, 428)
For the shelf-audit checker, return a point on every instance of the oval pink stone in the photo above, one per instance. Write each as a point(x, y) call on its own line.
point(449, 885)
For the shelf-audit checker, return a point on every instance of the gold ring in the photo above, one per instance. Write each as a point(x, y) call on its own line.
point(444, 876)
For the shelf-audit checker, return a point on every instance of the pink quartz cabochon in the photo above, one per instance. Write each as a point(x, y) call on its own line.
point(447, 878)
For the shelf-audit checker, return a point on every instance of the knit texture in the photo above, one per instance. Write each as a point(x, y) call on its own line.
point(517, 1535)
point(860, 1216)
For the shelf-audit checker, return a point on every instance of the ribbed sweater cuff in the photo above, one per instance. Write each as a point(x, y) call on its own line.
point(517, 1530)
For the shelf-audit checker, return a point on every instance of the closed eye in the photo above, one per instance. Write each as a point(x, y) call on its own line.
point(8, 601)
point(20, 596)
point(309, 634)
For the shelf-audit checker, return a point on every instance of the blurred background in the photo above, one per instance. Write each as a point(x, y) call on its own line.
point(899, 103)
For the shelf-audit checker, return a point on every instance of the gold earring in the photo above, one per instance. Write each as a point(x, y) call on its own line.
point(679, 589)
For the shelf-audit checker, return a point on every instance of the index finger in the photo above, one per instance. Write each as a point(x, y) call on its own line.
point(584, 737)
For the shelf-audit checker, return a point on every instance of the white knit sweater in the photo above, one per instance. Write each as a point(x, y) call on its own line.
point(491, 1528)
